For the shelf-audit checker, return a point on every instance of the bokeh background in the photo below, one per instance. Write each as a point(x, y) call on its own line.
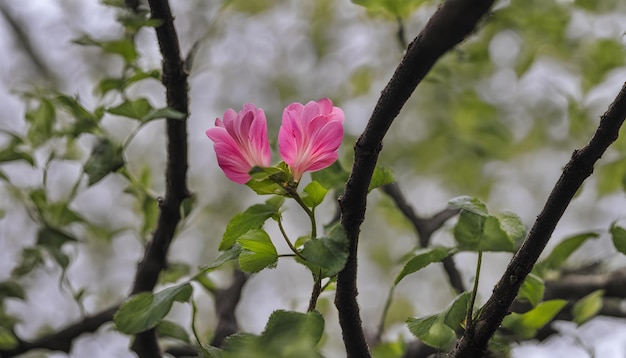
point(497, 118)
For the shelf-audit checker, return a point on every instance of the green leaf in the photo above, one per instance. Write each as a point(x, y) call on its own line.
point(258, 251)
point(41, 121)
point(588, 307)
point(225, 256)
point(110, 84)
point(562, 252)
point(285, 327)
point(598, 58)
point(422, 260)
point(7, 340)
point(210, 352)
point(315, 194)
point(253, 218)
point(106, 157)
point(120, 84)
point(243, 345)
point(135, 109)
point(611, 177)
point(476, 230)
point(172, 330)
point(439, 330)
point(262, 173)
point(11, 153)
point(6, 320)
point(467, 203)
point(133, 21)
point(265, 187)
point(392, 9)
point(456, 312)
point(30, 259)
point(532, 290)
point(12, 288)
point(526, 325)
point(333, 177)
point(393, 349)
point(618, 234)
point(494, 237)
point(150, 208)
point(53, 238)
point(187, 206)
point(166, 112)
point(270, 180)
point(512, 225)
point(381, 176)
point(287, 334)
point(433, 331)
point(146, 310)
point(123, 47)
point(327, 255)
point(86, 122)
point(60, 215)
point(174, 272)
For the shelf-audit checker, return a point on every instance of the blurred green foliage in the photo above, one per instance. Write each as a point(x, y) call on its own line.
point(473, 110)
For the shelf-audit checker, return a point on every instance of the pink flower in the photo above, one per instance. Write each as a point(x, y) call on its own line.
point(240, 142)
point(310, 136)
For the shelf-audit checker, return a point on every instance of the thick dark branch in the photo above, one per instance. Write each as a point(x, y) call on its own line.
point(573, 286)
point(451, 24)
point(225, 304)
point(62, 340)
point(473, 343)
point(176, 87)
point(175, 82)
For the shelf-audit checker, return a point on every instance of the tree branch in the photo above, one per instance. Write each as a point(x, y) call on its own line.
point(225, 304)
point(176, 87)
point(62, 340)
point(451, 24)
point(425, 227)
point(474, 342)
point(574, 286)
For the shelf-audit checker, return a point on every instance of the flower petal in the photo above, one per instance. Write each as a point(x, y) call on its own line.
point(310, 136)
point(240, 142)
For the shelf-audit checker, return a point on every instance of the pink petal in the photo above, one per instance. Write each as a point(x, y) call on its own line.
point(310, 136)
point(240, 142)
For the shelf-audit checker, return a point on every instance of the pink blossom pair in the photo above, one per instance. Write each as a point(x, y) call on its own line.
point(308, 139)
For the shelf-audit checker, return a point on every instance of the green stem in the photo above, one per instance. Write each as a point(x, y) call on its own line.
point(330, 280)
point(294, 194)
point(282, 231)
point(194, 311)
point(470, 310)
point(381, 324)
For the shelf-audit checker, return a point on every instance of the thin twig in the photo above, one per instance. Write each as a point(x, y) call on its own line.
point(474, 344)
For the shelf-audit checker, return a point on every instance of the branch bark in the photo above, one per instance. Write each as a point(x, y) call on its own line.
point(451, 24)
point(62, 340)
point(473, 343)
point(174, 79)
point(425, 227)
point(226, 301)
